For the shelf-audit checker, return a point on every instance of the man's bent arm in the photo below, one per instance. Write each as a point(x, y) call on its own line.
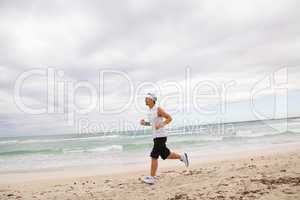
point(165, 115)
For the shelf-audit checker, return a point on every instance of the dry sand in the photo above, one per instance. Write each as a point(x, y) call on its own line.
point(255, 176)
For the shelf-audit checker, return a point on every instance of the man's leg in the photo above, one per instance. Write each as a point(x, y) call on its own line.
point(174, 155)
point(183, 158)
point(154, 165)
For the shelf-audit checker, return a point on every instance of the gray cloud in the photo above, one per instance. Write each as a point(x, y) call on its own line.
point(148, 40)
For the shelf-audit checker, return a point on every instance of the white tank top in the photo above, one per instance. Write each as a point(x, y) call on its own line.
point(155, 119)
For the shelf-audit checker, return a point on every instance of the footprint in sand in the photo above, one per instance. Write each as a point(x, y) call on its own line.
point(181, 196)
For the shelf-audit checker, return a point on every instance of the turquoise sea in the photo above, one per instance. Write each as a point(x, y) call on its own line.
point(116, 149)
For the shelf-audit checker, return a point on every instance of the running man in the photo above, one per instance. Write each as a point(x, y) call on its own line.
point(158, 119)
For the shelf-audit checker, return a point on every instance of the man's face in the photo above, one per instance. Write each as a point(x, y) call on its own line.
point(148, 101)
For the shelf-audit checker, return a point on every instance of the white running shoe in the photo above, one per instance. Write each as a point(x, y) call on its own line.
point(149, 180)
point(185, 159)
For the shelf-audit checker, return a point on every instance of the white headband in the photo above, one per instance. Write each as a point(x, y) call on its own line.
point(151, 96)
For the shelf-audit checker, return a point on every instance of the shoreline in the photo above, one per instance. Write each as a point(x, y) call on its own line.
point(273, 174)
point(80, 171)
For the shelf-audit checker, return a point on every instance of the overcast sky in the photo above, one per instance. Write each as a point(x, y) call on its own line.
point(215, 42)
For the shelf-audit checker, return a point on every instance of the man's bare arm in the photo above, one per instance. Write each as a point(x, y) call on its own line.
point(165, 115)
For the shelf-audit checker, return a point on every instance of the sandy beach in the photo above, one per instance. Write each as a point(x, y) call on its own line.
point(255, 175)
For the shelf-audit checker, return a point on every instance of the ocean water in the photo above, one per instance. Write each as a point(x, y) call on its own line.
point(22, 154)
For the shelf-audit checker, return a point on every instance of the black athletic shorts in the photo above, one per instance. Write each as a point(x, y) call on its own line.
point(160, 148)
